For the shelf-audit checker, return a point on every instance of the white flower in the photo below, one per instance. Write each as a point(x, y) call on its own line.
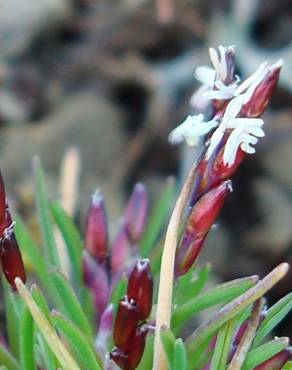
point(244, 134)
point(191, 130)
point(247, 87)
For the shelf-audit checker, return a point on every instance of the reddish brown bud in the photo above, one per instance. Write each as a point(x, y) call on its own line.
point(140, 287)
point(96, 235)
point(120, 358)
point(136, 347)
point(126, 322)
point(11, 260)
point(201, 218)
point(261, 96)
point(276, 362)
point(136, 213)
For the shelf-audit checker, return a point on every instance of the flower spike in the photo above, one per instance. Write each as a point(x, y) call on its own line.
point(199, 222)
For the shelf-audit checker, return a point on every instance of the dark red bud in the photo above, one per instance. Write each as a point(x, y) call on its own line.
point(96, 234)
point(136, 347)
point(120, 358)
point(140, 287)
point(136, 213)
point(11, 260)
point(261, 97)
point(276, 362)
point(126, 322)
point(199, 222)
point(2, 202)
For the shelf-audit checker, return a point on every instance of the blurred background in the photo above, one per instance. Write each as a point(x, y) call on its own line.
point(110, 79)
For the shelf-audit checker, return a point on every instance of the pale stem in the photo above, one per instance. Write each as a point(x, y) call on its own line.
point(164, 302)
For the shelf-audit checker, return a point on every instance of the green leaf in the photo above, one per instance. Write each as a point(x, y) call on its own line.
point(223, 345)
point(168, 341)
point(72, 240)
point(234, 308)
point(26, 341)
point(6, 359)
point(275, 314)
point(12, 320)
point(288, 366)
point(33, 252)
point(44, 215)
point(264, 352)
point(190, 284)
point(221, 293)
point(64, 357)
point(71, 305)
point(77, 342)
point(158, 218)
point(179, 356)
point(46, 351)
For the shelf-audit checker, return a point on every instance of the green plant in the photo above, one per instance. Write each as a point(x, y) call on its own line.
point(127, 304)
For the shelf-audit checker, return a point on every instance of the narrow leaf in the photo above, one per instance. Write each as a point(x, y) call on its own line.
point(179, 355)
point(223, 345)
point(235, 307)
point(44, 215)
point(158, 218)
point(72, 240)
point(168, 341)
point(264, 352)
point(11, 320)
point(275, 314)
point(71, 304)
point(221, 293)
point(26, 340)
point(77, 342)
point(7, 359)
point(64, 357)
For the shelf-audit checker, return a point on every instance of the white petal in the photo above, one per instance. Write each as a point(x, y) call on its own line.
point(232, 109)
point(217, 95)
point(214, 58)
point(205, 75)
point(256, 131)
point(214, 141)
point(258, 74)
point(249, 139)
point(247, 148)
point(176, 136)
point(246, 122)
point(223, 66)
point(197, 100)
point(276, 65)
point(231, 146)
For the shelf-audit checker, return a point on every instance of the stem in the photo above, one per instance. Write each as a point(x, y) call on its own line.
point(164, 302)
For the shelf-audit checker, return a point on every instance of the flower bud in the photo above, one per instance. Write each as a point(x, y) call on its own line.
point(262, 94)
point(96, 234)
point(120, 250)
point(136, 347)
point(276, 362)
point(11, 260)
point(136, 213)
point(140, 287)
point(198, 223)
point(126, 322)
point(120, 358)
point(104, 330)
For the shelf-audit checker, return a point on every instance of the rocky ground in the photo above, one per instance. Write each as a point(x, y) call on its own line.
point(112, 78)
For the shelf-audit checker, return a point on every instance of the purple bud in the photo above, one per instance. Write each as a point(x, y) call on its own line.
point(96, 234)
point(136, 347)
point(105, 329)
point(136, 213)
point(120, 251)
point(120, 358)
